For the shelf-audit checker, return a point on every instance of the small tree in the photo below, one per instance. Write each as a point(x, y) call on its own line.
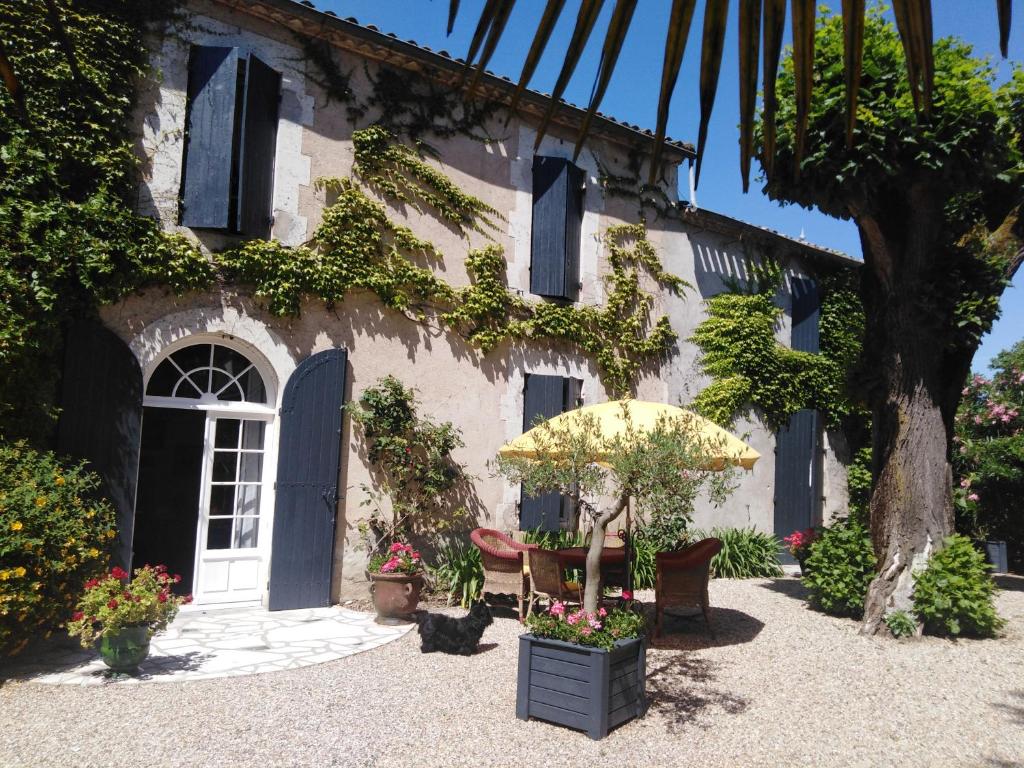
point(417, 485)
point(662, 470)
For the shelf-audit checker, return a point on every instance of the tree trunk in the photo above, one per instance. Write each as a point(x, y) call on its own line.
point(592, 592)
point(912, 498)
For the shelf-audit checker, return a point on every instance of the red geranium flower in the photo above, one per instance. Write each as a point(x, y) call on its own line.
point(92, 583)
point(161, 597)
point(112, 604)
point(177, 578)
point(77, 616)
point(118, 572)
point(187, 599)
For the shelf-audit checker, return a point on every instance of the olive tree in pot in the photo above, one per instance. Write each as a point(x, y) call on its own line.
point(417, 490)
point(662, 471)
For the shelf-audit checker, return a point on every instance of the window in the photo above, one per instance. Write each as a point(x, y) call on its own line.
point(235, 484)
point(208, 372)
point(545, 397)
point(231, 133)
point(558, 188)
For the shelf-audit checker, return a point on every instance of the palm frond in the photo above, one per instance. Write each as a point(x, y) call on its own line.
point(616, 35)
point(716, 13)
point(1005, 12)
point(493, 36)
point(853, 60)
point(803, 70)
point(914, 23)
point(749, 42)
point(774, 26)
point(552, 12)
point(585, 19)
point(675, 47)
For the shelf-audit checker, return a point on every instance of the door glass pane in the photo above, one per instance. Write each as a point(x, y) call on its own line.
point(248, 497)
point(252, 468)
point(246, 530)
point(218, 534)
point(224, 466)
point(252, 435)
point(222, 500)
point(227, 433)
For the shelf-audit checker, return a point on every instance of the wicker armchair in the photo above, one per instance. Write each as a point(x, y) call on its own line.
point(547, 579)
point(502, 559)
point(682, 579)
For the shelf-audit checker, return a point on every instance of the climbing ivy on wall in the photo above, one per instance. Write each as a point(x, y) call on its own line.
point(750, 367)
point(69, 238)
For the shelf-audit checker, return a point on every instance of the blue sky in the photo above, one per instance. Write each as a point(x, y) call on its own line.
point(633, 93)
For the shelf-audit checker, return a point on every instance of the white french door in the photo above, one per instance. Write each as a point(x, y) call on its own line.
point(231, 542)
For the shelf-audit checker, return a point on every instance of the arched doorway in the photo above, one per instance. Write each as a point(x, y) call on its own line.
point(202, 505)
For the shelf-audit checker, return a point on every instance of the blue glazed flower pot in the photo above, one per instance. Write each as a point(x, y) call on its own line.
point(125, 650)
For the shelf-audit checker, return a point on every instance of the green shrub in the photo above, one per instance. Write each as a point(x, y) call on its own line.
point(842, 565)
point(954, 594)
point(644, 567)
point(54, 534)
point(458, 571)
point(554, 539)
point(746, 553)
point(901, 624)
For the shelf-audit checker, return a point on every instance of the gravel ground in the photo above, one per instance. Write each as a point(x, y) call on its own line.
point(781, 685)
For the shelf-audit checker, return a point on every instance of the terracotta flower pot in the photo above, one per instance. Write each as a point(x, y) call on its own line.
point(395, 595)
point(125, 650)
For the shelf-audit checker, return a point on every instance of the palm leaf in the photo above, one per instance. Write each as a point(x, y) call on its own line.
point(1003, 7)
point(493, 36)
point(774, 25)
point(552, 11)
point(716, 12)
point(453, 12)
point(617, 29)
point(749, 41)
point(585, 19)
point(803, 70)
point(675, 46)
point(853, 60)
point(914, 23)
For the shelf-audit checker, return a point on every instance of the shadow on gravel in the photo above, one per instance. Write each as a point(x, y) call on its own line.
point(679, 688)
point(789, 587)
point(1015, 709)
point(1010, 582)
point(689, 631)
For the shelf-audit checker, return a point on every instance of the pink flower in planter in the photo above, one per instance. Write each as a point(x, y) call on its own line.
point(390, 565)
point(602, 612)
point(397, 547)
point(973, 497)
point(586, 631)
point(574, 618)
point(627, 595)
point(557, 608)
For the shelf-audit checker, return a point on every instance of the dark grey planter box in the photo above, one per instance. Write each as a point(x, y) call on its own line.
point(995, 553)
point(589, 689)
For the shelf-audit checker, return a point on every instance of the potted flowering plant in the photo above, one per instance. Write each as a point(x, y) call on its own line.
point(583, 669)
point(396, 578)
point(799, 545)
point(123, 613)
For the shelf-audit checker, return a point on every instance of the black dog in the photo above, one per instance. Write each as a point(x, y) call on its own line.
point(448, 635)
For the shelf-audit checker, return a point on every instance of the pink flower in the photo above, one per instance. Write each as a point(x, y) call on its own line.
point(594, 623)
point(573, 618)
point(965, 483)
point(627, 594)
point(602, 612)
point(972, 497)
point(586, 631)
point(557, 608)
point(397, 547)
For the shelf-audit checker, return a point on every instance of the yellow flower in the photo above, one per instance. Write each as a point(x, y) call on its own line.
point(59, 481)
point(40, 501)
point(93, 552)
point(111, 534)
point(20, 571)
point(16, 525)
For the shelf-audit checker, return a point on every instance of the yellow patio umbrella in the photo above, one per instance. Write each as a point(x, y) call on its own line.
point(725, 448)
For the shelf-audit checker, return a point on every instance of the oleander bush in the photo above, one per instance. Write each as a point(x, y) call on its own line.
point(954, 594)
point(55, 533)
point(842, 565)
point(746, 553)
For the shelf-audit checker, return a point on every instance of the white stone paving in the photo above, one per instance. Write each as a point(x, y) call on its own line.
point(224, 642)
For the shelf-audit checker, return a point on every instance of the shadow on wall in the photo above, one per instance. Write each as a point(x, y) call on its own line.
point(714, 263)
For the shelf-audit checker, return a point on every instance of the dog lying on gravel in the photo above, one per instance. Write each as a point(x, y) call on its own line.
point(450, 635)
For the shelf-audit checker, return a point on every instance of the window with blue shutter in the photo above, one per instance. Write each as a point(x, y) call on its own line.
point(558, 188)
point(231, 134)
point(543, 398)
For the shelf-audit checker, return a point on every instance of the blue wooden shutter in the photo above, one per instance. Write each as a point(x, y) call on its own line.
point(545, 397)
point(309, 462)
point(206, 187)
point(557, 218)
point(258, 144)
point(798, 445)
point(101, 418)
